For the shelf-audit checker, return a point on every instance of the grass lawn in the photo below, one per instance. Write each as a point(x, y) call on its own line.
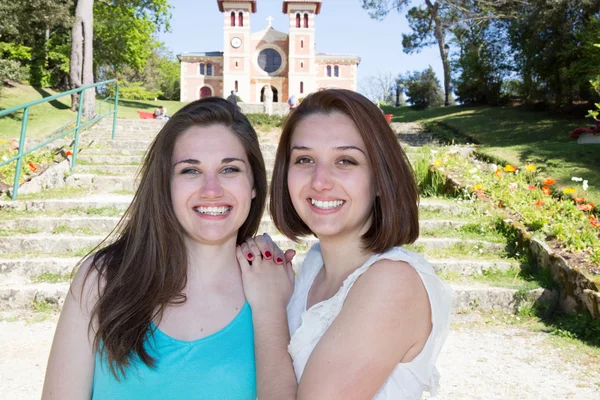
point(519, 137)
point(46, 117)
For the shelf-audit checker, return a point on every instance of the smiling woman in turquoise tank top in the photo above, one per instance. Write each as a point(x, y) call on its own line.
point(159, 311)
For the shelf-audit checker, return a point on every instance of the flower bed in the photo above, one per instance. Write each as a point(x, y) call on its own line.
point(33, 164)
point(561, 229)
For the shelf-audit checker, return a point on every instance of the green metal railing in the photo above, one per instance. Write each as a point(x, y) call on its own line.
point(63, 130)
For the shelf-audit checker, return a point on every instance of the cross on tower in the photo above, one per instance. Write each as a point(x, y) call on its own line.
point(270, 21)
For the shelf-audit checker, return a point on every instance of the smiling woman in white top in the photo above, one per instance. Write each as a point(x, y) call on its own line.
point(367, 318)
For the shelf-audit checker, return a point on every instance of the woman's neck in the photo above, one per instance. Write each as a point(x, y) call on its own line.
point(211, 262)
point(342, 256)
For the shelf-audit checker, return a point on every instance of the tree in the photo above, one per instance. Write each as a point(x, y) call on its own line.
point(428, 24)
point(82, 54)
point(423, 88)
point(125, 32)
point(380, 87)
point(551, 51)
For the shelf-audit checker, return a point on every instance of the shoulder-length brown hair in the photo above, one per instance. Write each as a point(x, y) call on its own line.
point(144, 269)
point(395, 209)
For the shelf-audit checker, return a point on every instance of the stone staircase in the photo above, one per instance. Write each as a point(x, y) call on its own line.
point(42, 237)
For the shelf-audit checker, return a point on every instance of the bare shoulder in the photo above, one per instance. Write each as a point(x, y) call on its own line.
point(392, 294)
point(394, 280)
point(87, 283)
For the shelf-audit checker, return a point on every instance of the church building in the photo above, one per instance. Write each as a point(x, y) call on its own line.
point(250, 61)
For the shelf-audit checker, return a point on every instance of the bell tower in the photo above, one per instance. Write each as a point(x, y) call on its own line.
point(302, 65)
point(236, 46)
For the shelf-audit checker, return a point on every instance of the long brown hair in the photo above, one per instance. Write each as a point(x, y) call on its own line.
point(145, 268)
point(395, 209)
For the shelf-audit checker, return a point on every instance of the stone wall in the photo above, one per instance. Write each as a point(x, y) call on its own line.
point(258, 108)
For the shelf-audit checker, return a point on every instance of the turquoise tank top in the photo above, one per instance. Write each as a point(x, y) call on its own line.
point(217, 367)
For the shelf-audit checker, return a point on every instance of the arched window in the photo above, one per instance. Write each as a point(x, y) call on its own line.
point(202, 69)
point(209, 69)
point(232, 18)
point(241, 19)
point(236, 86)
point(329, 70)
point(301, 87)
point(297, 20)
point(336, 71)
point(269, 60)
point(306, 20)
point(302, 64)
point(236, 64)
point(302, 44)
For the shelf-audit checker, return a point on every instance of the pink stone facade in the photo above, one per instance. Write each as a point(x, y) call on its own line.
point(302, 70)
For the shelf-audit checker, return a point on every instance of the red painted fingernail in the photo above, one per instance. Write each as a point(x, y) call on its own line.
point(279, 259)
point(268, 254)
point(250, 256)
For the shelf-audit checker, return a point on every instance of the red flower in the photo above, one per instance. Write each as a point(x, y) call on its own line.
point(585, 207)
point(68, 153)
point(548, 181)
point(33, 167)
point(538, 203)
point(595, 223)
point(578, 199)
point(546, 190)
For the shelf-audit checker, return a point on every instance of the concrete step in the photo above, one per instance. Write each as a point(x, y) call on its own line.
point(102, 183)
point(106, 159)
point(18, 296)
point(42, 223)
point(88, 151)
point(100, 169)
point(119, 202)
point(58, 244)
point(49, 224)
point(28, 268)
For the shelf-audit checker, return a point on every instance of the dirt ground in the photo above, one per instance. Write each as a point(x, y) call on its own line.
point(479, 361)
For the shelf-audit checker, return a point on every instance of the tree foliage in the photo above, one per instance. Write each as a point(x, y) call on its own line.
point(422, 88)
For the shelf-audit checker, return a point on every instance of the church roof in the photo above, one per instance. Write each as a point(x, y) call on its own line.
point(336, 56)
point(237, 1)
point(315, 2)
point(200, 54)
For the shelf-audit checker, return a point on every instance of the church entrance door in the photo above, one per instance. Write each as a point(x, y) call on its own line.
point(275, 94)
point(205, 92)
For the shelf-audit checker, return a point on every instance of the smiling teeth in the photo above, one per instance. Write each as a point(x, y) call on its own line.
point(213, 210)
point(326, 205)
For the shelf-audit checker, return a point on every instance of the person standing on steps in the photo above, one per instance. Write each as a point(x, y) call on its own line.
point(364, 318)
point(232, 98)
point(159, 311)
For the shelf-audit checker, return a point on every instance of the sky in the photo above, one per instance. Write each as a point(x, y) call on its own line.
point(341, 27)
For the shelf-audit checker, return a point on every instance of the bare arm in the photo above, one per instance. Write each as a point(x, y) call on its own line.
point(386, 319)
point(70, 370)
point(268, 286)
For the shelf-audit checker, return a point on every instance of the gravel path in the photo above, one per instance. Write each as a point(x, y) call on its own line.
point(478, 362)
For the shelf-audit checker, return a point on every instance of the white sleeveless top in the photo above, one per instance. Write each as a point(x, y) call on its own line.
point(407, 380)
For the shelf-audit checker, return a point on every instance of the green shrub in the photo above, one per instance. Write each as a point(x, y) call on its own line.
point(13, 70)
point(423, 89)
point(265, 121)
point(134, 91)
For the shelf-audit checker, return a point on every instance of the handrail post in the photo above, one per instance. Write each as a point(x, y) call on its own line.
point(116, 108)
point(20, 154)
point(77, 128)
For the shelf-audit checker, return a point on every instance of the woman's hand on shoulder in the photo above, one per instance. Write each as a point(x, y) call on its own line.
point(267, 273)
point(385, 320)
